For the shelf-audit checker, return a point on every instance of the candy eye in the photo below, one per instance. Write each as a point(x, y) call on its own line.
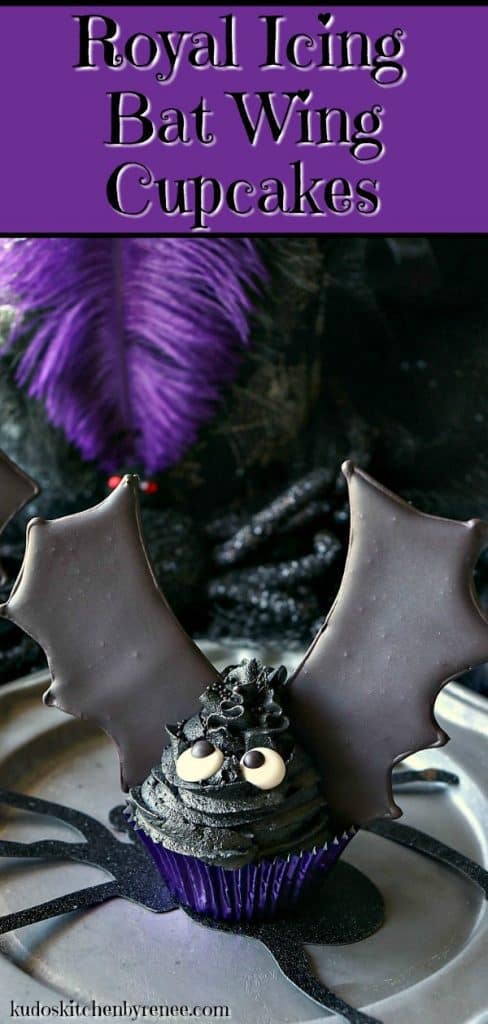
point(199, 762)
point(263, 767)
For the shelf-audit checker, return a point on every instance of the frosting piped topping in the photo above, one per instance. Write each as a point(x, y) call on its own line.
point(233, 784)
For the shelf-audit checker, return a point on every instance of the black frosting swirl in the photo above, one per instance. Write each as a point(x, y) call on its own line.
point(225, 820)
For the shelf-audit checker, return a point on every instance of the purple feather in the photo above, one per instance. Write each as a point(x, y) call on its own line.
point(135, 337)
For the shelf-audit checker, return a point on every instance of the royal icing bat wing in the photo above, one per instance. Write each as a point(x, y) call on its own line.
point(118, 656)
point(405, 621)
point(16, 489)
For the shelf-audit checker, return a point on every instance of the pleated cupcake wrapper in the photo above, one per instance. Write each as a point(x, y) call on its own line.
point(259, 890)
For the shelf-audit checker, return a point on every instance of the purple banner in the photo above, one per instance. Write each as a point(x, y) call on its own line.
point(243, 119)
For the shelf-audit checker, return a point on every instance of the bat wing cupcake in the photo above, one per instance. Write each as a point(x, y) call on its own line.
point(264, 779)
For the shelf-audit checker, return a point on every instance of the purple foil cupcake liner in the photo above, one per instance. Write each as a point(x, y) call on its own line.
point(259, 890)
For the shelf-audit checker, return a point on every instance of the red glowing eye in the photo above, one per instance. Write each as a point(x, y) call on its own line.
point(113, 482)
point(149, 486)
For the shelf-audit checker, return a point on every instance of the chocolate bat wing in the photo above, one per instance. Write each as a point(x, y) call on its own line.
point(405, 621)
point(118, 656)
point(16, 489)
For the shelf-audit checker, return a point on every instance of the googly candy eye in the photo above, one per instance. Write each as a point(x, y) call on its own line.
point(199, 762)
point(263, 767)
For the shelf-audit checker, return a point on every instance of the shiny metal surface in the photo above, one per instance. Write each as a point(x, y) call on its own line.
point(427, 965)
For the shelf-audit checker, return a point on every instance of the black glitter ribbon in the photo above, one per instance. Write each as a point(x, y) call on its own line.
point(351, 908)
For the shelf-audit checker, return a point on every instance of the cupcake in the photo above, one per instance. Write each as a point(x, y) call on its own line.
point(242, 811)
point(234, 815)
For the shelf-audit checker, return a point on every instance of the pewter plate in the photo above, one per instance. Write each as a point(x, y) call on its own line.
point(427, 965)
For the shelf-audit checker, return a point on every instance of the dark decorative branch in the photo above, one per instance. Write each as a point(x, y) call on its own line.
point(294, 962)
point(80, 900)
point(427, 779)
point(421, 842)
point(134, 875)
point(351, 907)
